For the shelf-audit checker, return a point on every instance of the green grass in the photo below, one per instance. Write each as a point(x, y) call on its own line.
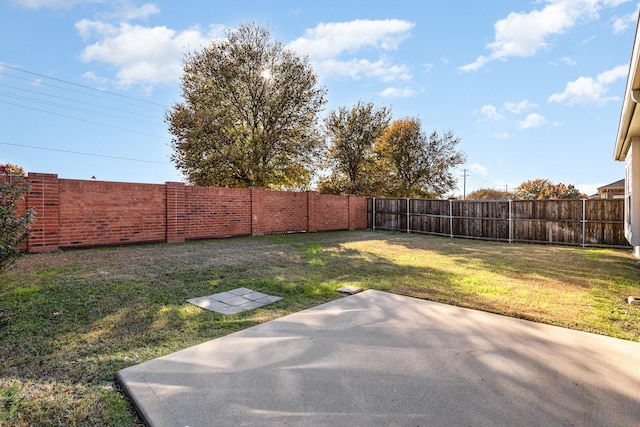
point(70, 320)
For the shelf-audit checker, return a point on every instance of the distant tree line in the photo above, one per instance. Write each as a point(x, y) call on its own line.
point(537, 189)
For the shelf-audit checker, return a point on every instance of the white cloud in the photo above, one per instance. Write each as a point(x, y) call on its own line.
point(501, 135)
point(126, 10)
point(53, 4)
point(141, 55)
point(622, 23)
point(356, 68)
point(614, 74)
point(394, 92)
point(533, 120)
point(590, 91)
point(332, 39)
point(339, 49)
point(151, 55)
point(478, 168)
point(568, 60)
point(518, 107)
point(490, 112)
point(476, 65)
point(86, 28)
point(523, 34)
point(102, 82)
point(584, 90)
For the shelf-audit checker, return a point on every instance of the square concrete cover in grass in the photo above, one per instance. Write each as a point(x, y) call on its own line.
point(234, 301)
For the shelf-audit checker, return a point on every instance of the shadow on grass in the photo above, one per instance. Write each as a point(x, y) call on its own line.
point(571, 264)
point(582, 288)
point(76, 318)
point(77, 324)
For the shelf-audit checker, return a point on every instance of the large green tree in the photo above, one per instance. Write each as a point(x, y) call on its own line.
point(352, 134)
point(415, 164)
point(249, 114)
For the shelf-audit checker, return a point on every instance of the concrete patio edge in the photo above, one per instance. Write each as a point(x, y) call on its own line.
point(376, 358)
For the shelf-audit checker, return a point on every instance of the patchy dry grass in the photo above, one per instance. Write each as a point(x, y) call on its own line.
point(70, 320)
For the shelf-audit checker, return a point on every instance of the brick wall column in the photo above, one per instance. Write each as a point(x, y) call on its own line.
point(257, 211)
point(312, 221)
point(351, 211)
point(44, 200)
point(176, 212)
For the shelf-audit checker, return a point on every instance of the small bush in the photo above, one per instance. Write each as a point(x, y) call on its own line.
point(14, 228)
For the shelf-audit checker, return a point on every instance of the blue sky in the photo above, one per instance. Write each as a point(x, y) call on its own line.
point(533, 88)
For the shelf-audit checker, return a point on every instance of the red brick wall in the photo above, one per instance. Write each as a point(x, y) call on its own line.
point(107, 213)
point(43, 199)
point(325, 206)
point(176, 212)
point(357, 213)
point(77, 213)
point(213, 212)
point(284, 212)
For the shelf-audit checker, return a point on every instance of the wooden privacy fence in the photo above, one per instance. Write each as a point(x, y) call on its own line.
point(578, 222)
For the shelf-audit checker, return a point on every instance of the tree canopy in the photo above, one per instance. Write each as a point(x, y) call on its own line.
point(540, 189)
point(416, 164)
point(352, 134)
point(249, 114)
point(370, 155)
point(489, 194)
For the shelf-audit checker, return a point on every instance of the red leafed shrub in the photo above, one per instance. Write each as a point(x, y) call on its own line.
point(14, 228)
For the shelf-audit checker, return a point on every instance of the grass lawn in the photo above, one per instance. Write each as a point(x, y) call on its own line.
point(70, 320)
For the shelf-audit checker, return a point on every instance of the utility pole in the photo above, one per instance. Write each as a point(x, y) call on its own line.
point(464, 184)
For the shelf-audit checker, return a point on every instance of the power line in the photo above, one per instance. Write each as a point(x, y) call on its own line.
point(83, 120)
point(80, 85)
point(41, 95)
point(480, 179)
point(68, 99)
point(64, 106)
point(84, 154)
point(84, 93)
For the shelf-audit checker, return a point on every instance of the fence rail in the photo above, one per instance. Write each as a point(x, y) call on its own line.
point(578, 222)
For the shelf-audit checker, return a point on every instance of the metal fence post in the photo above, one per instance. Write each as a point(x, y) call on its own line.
point(451, 218)
point(583, 222)
point(373, 216)
point(510, 225)
point(408, 214)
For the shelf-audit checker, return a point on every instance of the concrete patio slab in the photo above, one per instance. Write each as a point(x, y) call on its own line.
point(376, 358)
